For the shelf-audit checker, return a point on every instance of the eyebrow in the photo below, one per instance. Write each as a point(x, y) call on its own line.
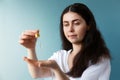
point(72, 20)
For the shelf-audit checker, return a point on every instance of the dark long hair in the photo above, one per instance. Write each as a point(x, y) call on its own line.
point(93, 45)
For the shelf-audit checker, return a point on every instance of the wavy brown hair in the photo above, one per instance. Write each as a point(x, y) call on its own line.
point(93, 45)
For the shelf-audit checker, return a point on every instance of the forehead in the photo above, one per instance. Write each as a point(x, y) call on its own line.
point(69, 16)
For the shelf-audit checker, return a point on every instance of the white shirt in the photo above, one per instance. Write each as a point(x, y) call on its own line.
point(99, 71)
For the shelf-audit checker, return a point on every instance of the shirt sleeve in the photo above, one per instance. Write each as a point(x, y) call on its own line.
point(99, 71)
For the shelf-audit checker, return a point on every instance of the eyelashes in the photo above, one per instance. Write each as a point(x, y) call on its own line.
point(67, 24)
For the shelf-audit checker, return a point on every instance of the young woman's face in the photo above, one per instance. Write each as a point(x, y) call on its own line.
point(74, 27)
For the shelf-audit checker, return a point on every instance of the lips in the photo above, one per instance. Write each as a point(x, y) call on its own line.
point(72, 36)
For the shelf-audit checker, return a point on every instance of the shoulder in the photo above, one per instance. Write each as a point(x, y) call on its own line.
point(100, 70)
point(61, 51)
point(102, 66)
point(59, 54)
point(104, 62)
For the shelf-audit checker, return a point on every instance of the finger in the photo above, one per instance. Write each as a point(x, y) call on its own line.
point(37, 31)
point(26, 33)
point(25, 41)
point(26, 38)
point(45, 63)
point(26, 59)
point(21, 41)
point(31, 32)
point(30, 61)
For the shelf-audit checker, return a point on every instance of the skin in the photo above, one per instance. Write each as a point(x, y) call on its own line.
point(74, 27)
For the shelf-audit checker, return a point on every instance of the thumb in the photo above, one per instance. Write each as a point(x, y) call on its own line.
point(26, 59)
point(30, 61)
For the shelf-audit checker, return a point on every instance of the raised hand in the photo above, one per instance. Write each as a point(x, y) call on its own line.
point(28, 39)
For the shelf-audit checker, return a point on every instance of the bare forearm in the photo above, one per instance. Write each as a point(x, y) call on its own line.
point(60, 75)
point(33, 70)
point(32, 54)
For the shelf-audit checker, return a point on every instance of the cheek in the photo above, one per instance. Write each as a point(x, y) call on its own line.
point(64, 31)
point(82, 32)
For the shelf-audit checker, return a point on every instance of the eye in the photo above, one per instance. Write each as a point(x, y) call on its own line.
point(65, 24)
point(76, 23)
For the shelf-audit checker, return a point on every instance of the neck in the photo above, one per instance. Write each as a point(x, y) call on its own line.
point(76, 48)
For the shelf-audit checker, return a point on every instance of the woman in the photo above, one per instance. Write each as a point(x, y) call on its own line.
point(84, 55)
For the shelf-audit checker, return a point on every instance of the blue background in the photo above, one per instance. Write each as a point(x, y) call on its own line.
point(19, 15)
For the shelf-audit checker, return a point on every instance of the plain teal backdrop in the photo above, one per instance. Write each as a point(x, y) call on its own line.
point(19, 15)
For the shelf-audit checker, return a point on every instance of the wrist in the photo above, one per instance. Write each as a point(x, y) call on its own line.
point(32, 50)
point(60, 75)
point(32, 54)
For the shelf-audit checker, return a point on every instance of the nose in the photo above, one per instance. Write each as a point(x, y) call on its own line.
point(71, 28)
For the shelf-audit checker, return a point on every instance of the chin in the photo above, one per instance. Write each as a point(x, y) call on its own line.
point(76, 42)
